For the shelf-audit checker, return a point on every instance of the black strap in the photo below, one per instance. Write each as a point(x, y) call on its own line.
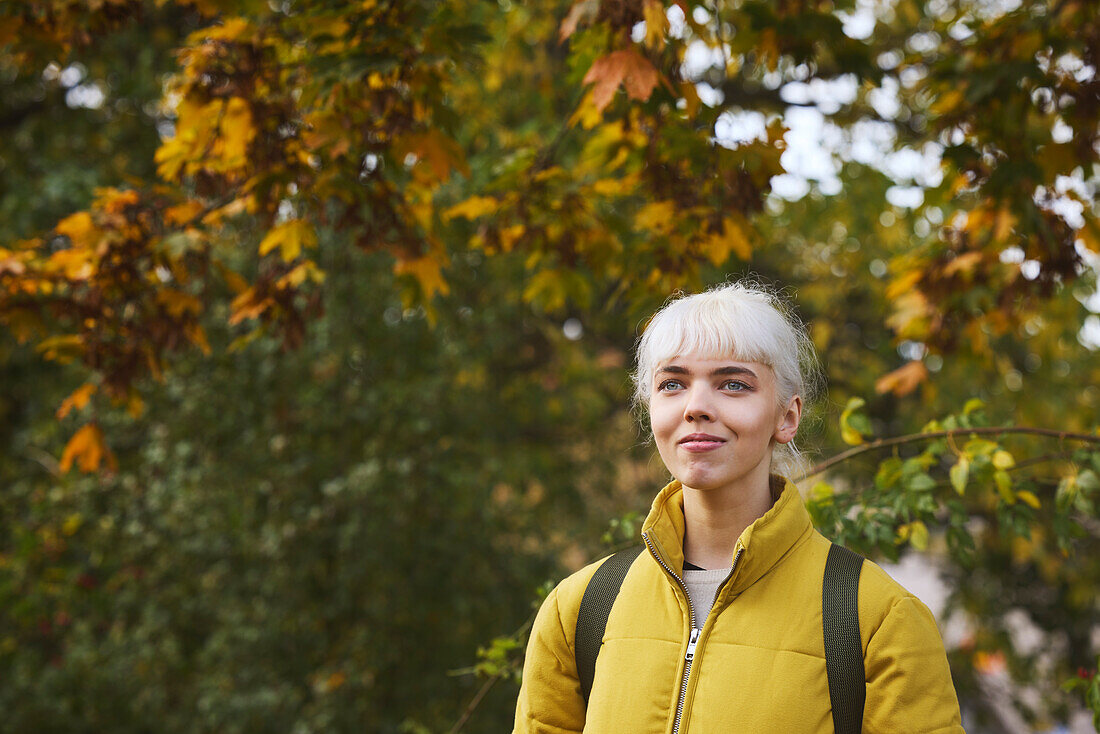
point(843, 648)
point(596, 604)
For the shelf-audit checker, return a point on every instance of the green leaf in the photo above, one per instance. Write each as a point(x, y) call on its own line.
point(1088, 480)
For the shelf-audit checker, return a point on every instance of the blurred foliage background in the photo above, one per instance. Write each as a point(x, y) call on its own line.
point(317, 319)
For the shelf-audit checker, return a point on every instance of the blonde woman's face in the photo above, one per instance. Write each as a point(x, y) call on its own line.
point(715, 420)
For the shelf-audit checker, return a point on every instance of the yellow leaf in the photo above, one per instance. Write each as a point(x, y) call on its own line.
point(237, 132)
point(848, 434)
point(972, 405)
point(964, 263)
point(587, 114)
point(289, 237)
point(822, 492)
point(79, 228)
point(63, 348)
point(916, 533)
point(248, 305)
point(658, 217)
point(510, 235)
point(1003, 460)
point(656, 23)
point(547, 286)
point(1028, 498)
point(948, 101)
point(182, 214)
point(731, 239)
point(427, 272)
point(72, 523)
point(960, 473)
point(903, 283)
point(78, 399)
point(75, 263)
point(1004, 486)
point(472, 208)
point(1090, 235)
point(299, 274)
point(135, 406)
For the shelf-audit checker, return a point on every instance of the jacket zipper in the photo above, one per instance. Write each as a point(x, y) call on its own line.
point(693, 637)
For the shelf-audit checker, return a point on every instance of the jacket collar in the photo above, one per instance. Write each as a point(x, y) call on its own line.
point(765, 542)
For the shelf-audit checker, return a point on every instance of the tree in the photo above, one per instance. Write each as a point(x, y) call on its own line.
point(565, 157)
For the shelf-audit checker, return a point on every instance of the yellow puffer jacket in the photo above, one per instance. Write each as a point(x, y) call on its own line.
point(759, 662)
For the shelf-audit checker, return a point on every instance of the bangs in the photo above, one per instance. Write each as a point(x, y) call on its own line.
point(710, 333)
point(711, 325)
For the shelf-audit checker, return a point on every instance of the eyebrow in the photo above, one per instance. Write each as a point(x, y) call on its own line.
point(727, 370)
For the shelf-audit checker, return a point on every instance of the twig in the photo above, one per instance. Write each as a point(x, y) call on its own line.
point(473, 704)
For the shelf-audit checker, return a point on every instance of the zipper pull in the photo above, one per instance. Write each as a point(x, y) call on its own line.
point(692, 641)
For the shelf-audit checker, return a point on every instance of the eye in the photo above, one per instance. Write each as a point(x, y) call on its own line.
point(734, 386)
point(669, 385)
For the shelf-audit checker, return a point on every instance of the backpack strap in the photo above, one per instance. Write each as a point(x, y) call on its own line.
point(843, 649)
point(599, 596)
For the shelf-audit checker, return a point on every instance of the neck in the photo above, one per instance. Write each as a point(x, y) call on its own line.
point(714, 520)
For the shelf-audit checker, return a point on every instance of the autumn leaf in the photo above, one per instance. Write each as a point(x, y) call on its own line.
point(427, 272)
point(581, 10)
point(87, 448)
point(290, 237)
point(628, 68)
point(656, 23)
point(79, 228)
point(916, 533)
point(731, 239)
point(248, 305)
point(904, 379)
point(472, 208)
point(177, 303)
point(658, 217)
point(440, 152)
point(853, 424)
point(77, 400)
point(960, 474)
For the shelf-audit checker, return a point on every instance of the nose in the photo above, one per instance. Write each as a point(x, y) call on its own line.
point(699, 405)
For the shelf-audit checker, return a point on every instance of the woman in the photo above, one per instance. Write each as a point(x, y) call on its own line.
point(718, 624)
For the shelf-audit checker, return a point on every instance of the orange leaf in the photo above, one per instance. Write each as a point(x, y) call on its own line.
point(439, 151)
point(88, 449)
point(627, 67)
point(184, 213)
point(580, 9)
point(248, 305)
point(904, 379)
point(78, 399)
point(964, 263)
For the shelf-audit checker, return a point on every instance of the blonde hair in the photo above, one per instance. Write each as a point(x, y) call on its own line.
point(744, 321)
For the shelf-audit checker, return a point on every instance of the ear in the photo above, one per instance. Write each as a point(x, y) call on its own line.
point(789, 418)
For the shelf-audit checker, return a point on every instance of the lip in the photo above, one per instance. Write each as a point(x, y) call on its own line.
point(699, 442)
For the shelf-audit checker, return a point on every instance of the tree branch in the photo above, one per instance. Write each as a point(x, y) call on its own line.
point(914, 437)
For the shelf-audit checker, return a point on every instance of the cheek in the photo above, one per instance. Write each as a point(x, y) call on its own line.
point(661, 419)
